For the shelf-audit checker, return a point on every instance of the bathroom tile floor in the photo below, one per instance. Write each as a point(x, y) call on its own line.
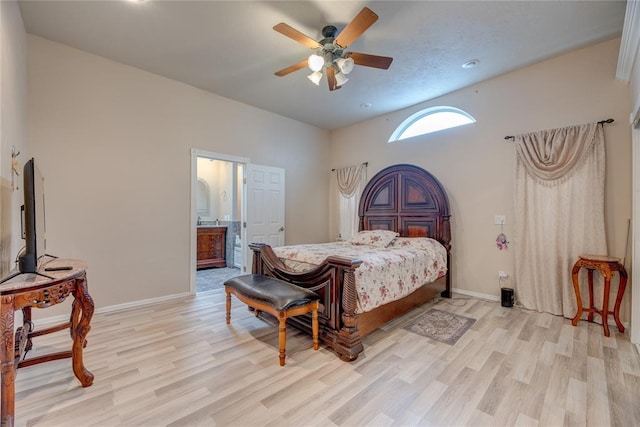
point(214, 278)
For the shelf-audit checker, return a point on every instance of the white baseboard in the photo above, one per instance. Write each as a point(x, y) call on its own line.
point(476, 294)
point(496, 298)
point(110, 309)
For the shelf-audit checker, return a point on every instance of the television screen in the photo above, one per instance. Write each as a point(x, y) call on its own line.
point(33, 220)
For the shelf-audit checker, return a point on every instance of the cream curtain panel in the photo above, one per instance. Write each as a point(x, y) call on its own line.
point(351, 182)
point(559, 211)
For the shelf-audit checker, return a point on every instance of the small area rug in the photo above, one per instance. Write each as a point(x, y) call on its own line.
point(440, 326)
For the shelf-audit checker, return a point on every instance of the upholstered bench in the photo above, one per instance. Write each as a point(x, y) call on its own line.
point(276, 297)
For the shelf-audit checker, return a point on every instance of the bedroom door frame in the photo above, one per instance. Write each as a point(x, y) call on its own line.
point(195, 153)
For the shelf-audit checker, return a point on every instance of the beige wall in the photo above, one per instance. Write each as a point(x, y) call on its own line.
point(114, 145)
point(476, 164)
point(13, 77)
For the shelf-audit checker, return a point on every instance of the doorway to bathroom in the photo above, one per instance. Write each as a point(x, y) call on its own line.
point(218, 204)
point(233, 203)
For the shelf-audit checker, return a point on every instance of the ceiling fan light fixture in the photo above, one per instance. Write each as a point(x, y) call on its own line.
point(330, 52)
point(316, 62)
point(315, 77)
point(345, 65)
point(341, 79)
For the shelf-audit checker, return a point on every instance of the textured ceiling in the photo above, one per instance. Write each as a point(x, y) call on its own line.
point(229, 47)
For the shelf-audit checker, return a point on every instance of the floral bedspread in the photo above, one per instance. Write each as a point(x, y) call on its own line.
point(386, 274)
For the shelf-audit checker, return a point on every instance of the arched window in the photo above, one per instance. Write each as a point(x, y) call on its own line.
point(431, 120)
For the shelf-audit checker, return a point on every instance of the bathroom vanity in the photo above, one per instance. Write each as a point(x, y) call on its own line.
point(211, 246)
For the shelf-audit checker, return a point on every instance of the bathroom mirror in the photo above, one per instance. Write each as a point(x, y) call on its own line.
point(203, 204)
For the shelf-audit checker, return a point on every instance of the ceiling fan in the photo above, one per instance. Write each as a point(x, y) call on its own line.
point(330, 52)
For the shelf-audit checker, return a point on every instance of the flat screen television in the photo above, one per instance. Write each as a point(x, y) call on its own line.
point(33, 219)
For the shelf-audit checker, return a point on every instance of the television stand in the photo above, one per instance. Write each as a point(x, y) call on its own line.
point(16, 274)
point(23, 292)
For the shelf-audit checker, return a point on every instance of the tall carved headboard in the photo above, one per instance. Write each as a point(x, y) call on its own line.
point(409, 200)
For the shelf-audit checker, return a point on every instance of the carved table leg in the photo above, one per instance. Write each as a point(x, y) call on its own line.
point(576, 288)
point(621, 287)
point(74, 318)
point(7, 362)
point(591, 303)
point(605, 304)
point(82, 312)
point(26, 316)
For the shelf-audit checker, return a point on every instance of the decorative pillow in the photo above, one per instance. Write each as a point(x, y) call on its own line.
point(377, 238)
point(413, 242)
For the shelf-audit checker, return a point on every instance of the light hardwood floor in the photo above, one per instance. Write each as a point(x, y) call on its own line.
point(178, 364)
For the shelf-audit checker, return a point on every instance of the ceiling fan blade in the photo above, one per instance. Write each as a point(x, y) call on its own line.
point(291, 68)
point(370, 60)
point(356, 27)
point(296, 35)
point(331, 79)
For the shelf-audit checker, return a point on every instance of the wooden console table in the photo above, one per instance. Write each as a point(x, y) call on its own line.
point(607, 266)
point(32, 290)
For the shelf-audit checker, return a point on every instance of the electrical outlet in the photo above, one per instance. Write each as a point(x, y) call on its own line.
point(502, 275)
point(500, 220)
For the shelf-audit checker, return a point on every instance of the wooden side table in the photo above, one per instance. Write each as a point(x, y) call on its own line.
point(41, 291)
point(607, 266)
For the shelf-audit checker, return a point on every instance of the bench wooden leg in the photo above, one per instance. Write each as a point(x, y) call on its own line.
point(282, 338)
point(228, 308)
point(314, 325)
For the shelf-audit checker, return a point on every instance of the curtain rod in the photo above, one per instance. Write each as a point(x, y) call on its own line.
point(601, 122)
point(366, 164)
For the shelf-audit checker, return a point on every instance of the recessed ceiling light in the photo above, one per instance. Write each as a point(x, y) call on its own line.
point(365, 105)
point(471, 63)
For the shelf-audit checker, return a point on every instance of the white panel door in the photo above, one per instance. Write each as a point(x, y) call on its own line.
point(265, 208)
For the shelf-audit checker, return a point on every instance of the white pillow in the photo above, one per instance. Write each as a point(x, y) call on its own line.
point(377, 238)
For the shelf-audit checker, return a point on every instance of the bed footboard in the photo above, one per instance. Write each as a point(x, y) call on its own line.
point(334, 281)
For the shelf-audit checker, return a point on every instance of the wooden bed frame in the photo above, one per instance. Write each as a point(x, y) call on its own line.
point(403, 198)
